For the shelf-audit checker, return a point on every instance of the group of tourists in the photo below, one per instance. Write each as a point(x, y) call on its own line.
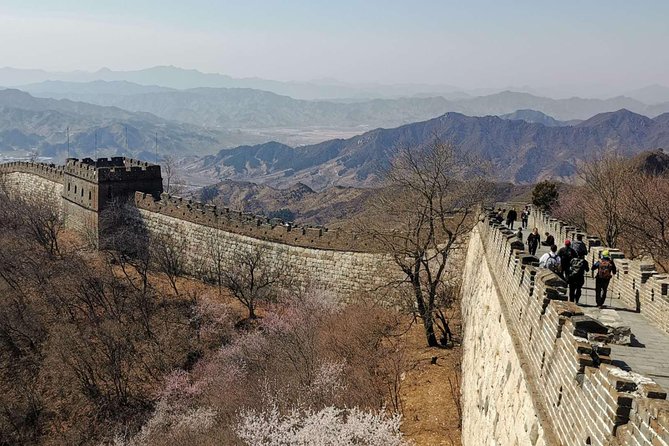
point(510, 217)
point(570, 264)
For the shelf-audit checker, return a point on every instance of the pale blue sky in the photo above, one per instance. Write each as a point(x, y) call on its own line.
point(470, 44)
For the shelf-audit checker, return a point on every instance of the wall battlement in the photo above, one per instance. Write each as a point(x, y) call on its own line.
point(50, 172)
point(577, 393)
point(252, 225)
point(112, 169)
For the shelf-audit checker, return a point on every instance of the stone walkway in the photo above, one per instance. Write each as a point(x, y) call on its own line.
point(649, 352)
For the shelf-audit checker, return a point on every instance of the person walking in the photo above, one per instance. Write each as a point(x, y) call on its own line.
point(533, 241)
point(519, 234)
point(606, 268)
point(525, 217)
point(577, 269)
point(511, 217)
point(567, 254)
point(550, 240)
point(579, 246)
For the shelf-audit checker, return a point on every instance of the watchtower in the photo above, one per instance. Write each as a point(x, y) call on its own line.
point(90, 186)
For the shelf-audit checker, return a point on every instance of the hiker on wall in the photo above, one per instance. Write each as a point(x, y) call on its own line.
point(567, 254)
point(576, 278)
point(511, 217)
point(551, 260)
point(533, 241)
point(579, 246)
point(605, 268)
point(525, 217)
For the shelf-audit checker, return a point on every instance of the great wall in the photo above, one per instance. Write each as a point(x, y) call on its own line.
point(83, 190)
point(535, 371)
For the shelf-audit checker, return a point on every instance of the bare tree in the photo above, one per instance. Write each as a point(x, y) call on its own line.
point(604, 181)
point(168, 253)
point(252, 278)
point(172, 177)
point(646, 217)
point(425, 212)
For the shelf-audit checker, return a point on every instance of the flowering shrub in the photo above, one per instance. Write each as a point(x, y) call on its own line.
point(329, 426)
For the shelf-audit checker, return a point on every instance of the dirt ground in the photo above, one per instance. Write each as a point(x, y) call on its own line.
point(430, 414)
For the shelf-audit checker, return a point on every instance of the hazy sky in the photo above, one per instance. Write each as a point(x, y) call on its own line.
point(469, 44)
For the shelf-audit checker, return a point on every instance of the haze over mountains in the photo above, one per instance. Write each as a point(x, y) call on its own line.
point(526, 137)
point(28, 123)
point(233, 108)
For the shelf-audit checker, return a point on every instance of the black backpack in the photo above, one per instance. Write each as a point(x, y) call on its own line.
point(576, 266)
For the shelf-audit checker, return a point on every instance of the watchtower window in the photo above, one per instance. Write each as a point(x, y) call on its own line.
point(89, 195)
point(75, 188)
point(82, 191)
point(68, 186)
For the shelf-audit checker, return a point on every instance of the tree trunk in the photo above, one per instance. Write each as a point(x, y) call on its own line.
point(425, 315)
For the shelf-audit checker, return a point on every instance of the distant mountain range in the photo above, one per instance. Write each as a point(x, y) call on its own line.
point(180, 78)
point(520, 151)
point(28, 123)
point(243, 108)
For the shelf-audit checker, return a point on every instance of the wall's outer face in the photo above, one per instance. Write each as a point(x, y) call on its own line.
point(35, 189)
point(496, 401)
point(344, 273)
point(579, 396)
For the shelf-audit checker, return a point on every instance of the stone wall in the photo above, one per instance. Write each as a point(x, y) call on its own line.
point(637, 284)
point(345, 273)
point(34, 188)
point(578, 397)
point(255, 226)
point(496, 393)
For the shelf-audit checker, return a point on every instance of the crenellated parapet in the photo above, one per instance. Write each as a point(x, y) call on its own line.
point(579, 394)
point(50, 172)
point(251, 225)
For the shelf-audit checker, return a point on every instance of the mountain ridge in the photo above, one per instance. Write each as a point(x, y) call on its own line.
point(520, 152)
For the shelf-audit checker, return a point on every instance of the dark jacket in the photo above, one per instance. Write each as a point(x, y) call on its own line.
point(550, 240)
point(578, 277)
point(533, 239)
point(566, 253)
point(512, 215)
point(580, 248)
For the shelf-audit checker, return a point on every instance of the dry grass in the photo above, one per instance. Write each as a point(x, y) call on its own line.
point(430, 414)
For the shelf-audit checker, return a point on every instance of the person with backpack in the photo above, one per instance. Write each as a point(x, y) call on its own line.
point(576, 279)
point(579, 246)
point(551, 260)
point(533, 241)
point(606, 268)
point(567, 254)
point(511, 217)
